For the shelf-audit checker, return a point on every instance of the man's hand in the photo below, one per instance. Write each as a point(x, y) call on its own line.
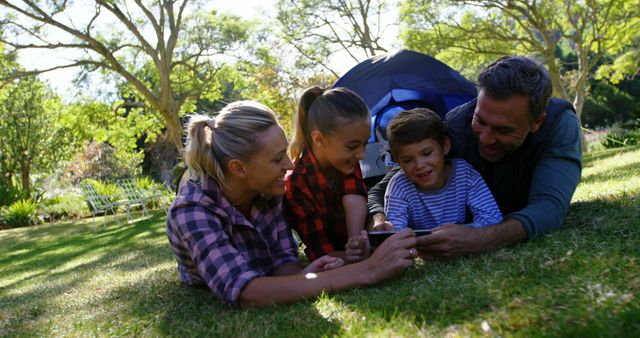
point(452, 240)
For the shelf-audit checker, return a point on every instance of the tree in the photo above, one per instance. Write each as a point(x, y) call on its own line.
point(35, 136)
point(168, 54)
point(318, 28)
point(481, 30)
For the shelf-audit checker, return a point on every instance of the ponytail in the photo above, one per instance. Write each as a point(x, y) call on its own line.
point(212, 143)
point(199, 152)
point(302, 132)
point(324, 111)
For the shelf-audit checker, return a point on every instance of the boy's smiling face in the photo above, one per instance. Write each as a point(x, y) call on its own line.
point(423, 163)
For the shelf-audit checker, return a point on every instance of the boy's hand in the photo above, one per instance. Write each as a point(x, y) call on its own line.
point(386, 226)
point(358, 247)
point(380, 223)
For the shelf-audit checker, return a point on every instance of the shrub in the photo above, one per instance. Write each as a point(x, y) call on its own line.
point(9, 195)
point(71, 205)
point(100, 161)
point(106, 189)
point(20, 214)
point(155, 190)
point(618, 137)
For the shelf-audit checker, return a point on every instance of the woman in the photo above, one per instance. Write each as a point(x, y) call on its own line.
point(226, 226)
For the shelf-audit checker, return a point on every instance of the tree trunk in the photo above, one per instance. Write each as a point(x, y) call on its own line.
point(581, 92)
point(174, 129)
point(26, 182)
point(556, 79)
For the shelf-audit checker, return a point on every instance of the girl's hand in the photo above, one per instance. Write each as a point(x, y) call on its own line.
point(323, 263)
point(358, 247)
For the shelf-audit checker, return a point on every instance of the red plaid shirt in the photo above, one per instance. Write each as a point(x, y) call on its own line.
point(314, 209)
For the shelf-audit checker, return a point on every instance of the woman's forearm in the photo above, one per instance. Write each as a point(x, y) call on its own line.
point(264, 291)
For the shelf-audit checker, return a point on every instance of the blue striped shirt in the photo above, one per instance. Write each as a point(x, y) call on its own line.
point(465, 192)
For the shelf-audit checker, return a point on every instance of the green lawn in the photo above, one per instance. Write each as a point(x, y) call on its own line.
point(74, 279)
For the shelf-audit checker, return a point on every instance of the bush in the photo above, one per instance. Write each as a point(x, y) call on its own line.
point(69, 206)
point(618, 137)
point(154, 189)
point(100, 161)
point(106, 189)
point(9, 195)
point(20, 214)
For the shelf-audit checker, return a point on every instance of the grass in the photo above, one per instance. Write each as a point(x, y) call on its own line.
point(77, 279)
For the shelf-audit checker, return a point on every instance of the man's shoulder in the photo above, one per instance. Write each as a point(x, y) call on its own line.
point(460, 114)
point(560, 118)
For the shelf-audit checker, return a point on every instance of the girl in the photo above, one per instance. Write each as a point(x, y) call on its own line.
point(226, 226)
point(325, 192)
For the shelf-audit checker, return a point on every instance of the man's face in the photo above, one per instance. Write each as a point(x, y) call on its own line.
point(501, 125)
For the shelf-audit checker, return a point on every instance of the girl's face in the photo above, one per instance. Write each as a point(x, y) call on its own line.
point(423, 163)
point(266, 169)
point(342, 149)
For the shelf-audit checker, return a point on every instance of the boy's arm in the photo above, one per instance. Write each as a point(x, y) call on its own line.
point(396, 206)
point(375, 198)
point(483, 206)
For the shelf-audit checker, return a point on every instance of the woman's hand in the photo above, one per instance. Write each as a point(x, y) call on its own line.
point(395, 254)
point(323, 263)
point(358, 247)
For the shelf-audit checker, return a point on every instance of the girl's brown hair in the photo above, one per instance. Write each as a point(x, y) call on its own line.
point(324, 110)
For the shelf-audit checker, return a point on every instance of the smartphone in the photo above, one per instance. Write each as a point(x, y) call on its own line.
point(377, 237)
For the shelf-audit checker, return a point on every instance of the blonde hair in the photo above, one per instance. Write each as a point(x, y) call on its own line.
point(213, 142)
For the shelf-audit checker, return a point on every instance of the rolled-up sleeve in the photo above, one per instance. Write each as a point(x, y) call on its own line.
point(224, 270)
point(555, 178)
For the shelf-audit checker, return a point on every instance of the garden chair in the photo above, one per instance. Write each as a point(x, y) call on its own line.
point(134, 196)
point(99, 203)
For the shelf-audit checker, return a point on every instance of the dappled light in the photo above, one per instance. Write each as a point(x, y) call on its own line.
point(78, 279)
point(96, 97)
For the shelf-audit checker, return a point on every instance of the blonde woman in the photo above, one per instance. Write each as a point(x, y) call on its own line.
point(226, 226)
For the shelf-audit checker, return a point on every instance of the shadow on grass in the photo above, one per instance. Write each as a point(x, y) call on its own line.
point(63, 259)
point(532, 287)
point(66, 260)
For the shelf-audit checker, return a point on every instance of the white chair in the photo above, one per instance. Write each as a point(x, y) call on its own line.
point(134, 197)
point(99, 203)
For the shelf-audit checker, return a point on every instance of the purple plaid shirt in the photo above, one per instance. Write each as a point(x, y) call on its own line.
point(215, 245)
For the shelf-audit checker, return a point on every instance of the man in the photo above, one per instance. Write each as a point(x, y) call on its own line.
point(525, 145)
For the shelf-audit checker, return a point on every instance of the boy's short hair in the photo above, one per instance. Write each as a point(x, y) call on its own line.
point(413, 126)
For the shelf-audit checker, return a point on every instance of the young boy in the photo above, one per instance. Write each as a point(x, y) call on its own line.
point(430, 190)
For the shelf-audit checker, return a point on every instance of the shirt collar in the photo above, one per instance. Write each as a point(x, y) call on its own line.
point(211, 189)
point(312, 168)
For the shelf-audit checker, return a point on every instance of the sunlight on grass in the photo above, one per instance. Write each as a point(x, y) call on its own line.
point(83, 279)
point(611, 177)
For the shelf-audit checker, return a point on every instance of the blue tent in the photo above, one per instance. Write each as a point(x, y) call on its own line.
point(403, 80)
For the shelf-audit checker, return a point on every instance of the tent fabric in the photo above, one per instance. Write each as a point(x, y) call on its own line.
point(394, 82)
point(406, 79)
